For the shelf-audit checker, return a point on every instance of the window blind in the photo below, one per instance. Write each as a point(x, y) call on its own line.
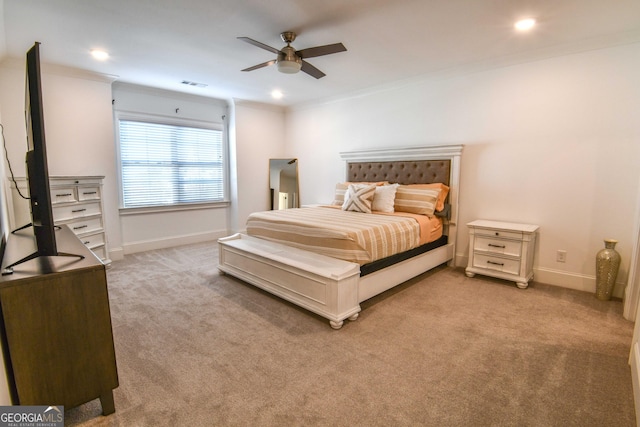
point(164, 165)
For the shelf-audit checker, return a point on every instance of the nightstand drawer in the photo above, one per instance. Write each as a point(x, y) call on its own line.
point(498, 246)
point(504, 265)
point(516, 235)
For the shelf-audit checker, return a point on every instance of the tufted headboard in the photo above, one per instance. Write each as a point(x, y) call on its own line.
point(401, 172)
point(411, 165)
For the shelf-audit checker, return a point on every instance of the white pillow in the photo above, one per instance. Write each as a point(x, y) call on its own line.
point(384, 198)
point(358, 198)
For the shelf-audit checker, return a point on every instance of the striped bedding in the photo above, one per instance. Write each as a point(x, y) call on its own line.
point(351, 236)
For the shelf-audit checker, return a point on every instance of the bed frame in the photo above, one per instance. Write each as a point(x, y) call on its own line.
point(333, 288)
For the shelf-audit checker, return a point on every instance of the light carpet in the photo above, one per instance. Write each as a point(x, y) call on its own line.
point(197, 348)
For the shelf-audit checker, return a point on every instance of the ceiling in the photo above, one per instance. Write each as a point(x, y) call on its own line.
point(160, 43)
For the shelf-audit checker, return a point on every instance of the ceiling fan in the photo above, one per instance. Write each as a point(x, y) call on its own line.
point(291, 61)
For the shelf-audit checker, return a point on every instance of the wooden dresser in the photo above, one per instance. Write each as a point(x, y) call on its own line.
point(56, 325)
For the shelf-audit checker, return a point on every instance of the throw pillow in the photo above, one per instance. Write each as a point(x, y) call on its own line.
point(358, 198)
point(416, 200)
point(341, 188)
point(384, 197)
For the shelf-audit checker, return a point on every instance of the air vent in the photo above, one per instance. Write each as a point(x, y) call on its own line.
point(187, 82)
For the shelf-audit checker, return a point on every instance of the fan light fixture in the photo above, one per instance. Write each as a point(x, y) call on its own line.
point(288, 61)
point(289, 67)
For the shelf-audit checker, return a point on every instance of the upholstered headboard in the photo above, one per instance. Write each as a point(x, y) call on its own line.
point(401, 172)
point(411, 165)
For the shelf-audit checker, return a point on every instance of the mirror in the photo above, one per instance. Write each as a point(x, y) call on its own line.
point(283, 181)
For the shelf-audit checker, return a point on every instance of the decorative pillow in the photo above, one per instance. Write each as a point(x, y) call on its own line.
point(341, 188)
point(384, 197)
point(358, 198)
point(420, 201)
point(444, 191)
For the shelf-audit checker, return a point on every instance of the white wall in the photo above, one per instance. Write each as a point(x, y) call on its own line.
point(259, 136)
point(145, 231)
point(3, 44)
point(78, 129)
point(554, 142)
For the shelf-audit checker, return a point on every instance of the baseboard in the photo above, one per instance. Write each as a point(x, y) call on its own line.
point(580, 282)
point(563, 279)
point(116, 254)
point(168, 242)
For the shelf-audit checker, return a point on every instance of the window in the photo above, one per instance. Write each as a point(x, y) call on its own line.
point(167, 165)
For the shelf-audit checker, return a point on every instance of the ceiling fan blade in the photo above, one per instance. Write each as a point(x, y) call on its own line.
point(311, 70)
point(312, 52)
point(258, 44)
point(264, 64)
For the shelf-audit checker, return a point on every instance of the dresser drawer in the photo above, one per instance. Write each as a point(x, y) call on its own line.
point(65, 213)
point(63, 195)
point(93, 240)
point(509, 266)
point(100, 251)
point(86, 225)
point(498, 246)
point(88, 193)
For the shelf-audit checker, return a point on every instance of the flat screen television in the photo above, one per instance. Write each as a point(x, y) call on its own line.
point(37, 168)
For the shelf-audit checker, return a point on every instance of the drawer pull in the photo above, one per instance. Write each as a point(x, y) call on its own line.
point(497, 246)
point(64, 195)
point(501, 264)
point(78, 210)
point(80, 227)
point(87, 242)
point(89, 192)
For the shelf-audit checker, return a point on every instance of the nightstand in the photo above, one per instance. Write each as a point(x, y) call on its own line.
point(503, 250)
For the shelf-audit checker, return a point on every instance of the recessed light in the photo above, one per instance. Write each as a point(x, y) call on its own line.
point(276, 94)
point(525, 24)
point(100, 55)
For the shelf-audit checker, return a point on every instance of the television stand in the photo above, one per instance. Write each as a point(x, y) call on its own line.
point(55, 326)
point(9, 268)
point(57, 227)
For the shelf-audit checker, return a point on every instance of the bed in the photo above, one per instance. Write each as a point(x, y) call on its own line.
point(333, 282)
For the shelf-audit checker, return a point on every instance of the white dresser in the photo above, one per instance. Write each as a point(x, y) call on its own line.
point(503, 250)
point(76, 201)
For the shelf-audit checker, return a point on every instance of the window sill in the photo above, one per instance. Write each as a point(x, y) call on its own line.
point(173, 208)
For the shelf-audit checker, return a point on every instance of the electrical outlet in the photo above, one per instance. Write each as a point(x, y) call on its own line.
point(561, 256)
